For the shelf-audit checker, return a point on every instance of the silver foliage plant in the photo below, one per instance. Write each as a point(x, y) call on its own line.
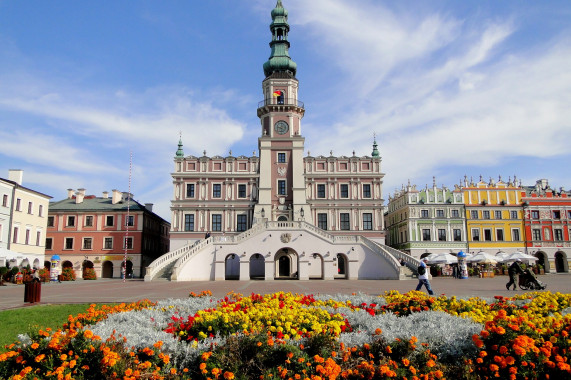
point(447, 336)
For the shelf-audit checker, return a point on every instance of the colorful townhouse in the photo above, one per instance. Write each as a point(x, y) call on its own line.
point(494, 216)
point(431, 220)
point(547, 220)
point(23, 221)
point(86, 231)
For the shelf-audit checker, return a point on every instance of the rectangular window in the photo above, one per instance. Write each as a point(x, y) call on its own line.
point(190, 190)
point(109, 220)
point(27, 241)
point(282, 187)
point(515, 234)
point(498, 215)
point(50, 221)
point(440, 213)
point(367, 221)
point(30, 207)
point(128, 243)
point(281, 158)
point(241, 223)
point(49, 243)
point(536, 234)
point(344, 191)
point(38, 238)
point(189, 222)
point(15, 235)
point(424, 213)
point(513, 214)
point(322, 221)
point(320, 191)
point(89, 221)
point(366, 191)
point(68, 243)
point(475, 234)
point(217, 190)
point(558, 234)
point(441, 234)
point(455, 214)
point(108, 244)
point(216, 222)
point(485, 214)
point(556, 214)
point(426, 234)
point(40, 210)
point(499, 235)
point(87, 243)
point(241, 191)
point(18, 204)
point(344, 221)
point(5, 200)
point(130, 220)
point(474, 214)
point(487, 234)
point(534, 214)
point(457, 234)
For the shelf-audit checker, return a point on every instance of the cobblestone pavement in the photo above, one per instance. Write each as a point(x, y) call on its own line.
point(115, 290)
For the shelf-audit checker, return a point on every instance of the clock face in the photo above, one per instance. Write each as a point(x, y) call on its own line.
point(281, 127)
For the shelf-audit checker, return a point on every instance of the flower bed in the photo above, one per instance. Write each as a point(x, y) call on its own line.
point(285, 336)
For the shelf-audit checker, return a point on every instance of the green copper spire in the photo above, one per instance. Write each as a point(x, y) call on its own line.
point(179, 152)
point(279, 60)
point(375, 150)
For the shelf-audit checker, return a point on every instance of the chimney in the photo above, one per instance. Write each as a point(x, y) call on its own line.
point(149, 206)
point(79, 196)
point(16, 175)
point(70, 193)
point(105, 195)
point(116, 197)
point(126, 196)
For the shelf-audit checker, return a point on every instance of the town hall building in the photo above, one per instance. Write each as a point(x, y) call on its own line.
point(281, 213)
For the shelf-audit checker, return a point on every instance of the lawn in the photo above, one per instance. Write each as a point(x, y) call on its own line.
point(28, 319)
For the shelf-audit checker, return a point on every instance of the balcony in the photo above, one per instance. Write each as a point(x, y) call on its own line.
point(281, 105)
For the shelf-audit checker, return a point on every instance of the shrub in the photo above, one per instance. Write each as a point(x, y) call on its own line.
point(68, 274)
point(44, 275)
point(89, 274)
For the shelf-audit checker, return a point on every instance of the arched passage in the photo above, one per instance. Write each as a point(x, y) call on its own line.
point(341, 266)
point(67, 264)
point(232, 267)
point(86, 264)
point(107, 269)
point(257, 267)
point(543, 260)
point(561, 265)
point(286, 264)
point(315, 262)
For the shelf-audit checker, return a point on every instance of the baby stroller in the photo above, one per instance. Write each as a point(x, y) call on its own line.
point(528, 280)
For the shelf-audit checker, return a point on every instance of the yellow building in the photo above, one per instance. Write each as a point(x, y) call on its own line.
point(494, 216)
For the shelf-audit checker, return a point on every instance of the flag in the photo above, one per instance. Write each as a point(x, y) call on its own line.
point(277, 93)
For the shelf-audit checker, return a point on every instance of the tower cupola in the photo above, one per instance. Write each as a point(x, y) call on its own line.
point(279, 60)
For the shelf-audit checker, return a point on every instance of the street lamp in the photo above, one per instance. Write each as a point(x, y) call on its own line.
point(301, 212)
point(263, 212)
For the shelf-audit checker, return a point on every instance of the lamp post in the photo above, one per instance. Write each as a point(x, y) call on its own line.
point(301, 213)
point(263, 213)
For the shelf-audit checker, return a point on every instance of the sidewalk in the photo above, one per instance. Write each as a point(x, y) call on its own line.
point(115, 290)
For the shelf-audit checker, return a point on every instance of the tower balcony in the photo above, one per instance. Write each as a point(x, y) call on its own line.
point(279, 104)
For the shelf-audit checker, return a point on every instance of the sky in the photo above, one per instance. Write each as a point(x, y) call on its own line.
point(95, 95)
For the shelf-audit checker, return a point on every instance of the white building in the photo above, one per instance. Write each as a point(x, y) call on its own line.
point(23, 222)
point(282, 214)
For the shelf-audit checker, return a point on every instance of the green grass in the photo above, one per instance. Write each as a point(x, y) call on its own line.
point(19, 321)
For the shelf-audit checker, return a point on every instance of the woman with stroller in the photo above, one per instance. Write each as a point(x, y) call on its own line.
point(513, 271)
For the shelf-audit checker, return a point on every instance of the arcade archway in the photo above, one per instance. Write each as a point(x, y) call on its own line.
point(286, 264)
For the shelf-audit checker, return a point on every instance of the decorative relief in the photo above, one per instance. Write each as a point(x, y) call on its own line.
point(285, 238)
point(282, 171)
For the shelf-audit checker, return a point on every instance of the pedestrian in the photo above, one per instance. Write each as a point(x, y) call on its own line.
point(514, 270)
point(36, 276)
point(402, 263)
point(207, 235)
point(423, 276)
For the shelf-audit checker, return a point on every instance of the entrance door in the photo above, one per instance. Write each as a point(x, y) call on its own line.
point(284, 266)
point(257, 267)
point(232, 267)
point(107, 271)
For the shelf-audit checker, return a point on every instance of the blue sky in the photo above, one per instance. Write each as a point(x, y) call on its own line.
point(451, 88)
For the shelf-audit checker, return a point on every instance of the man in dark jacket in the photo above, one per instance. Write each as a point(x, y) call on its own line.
point(513, 271)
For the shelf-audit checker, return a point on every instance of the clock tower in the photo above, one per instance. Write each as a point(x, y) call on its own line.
point(282, 183)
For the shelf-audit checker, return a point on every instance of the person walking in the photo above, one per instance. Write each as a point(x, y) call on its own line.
point(423, 277)
point(514, 270)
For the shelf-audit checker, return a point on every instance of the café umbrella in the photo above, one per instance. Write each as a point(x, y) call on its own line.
point(483, 258)
point(442, 258)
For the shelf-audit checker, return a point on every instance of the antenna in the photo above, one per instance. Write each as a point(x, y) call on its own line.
point(128, 217)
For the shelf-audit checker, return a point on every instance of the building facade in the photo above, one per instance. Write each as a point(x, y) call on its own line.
point(23, 221)
point(105, 233)
point(282, 213)
point(547, 219)
point(421, 222)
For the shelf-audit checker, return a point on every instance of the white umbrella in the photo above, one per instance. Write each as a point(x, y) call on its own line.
point(519, 256)
point(483, 257)
point(442, 258)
